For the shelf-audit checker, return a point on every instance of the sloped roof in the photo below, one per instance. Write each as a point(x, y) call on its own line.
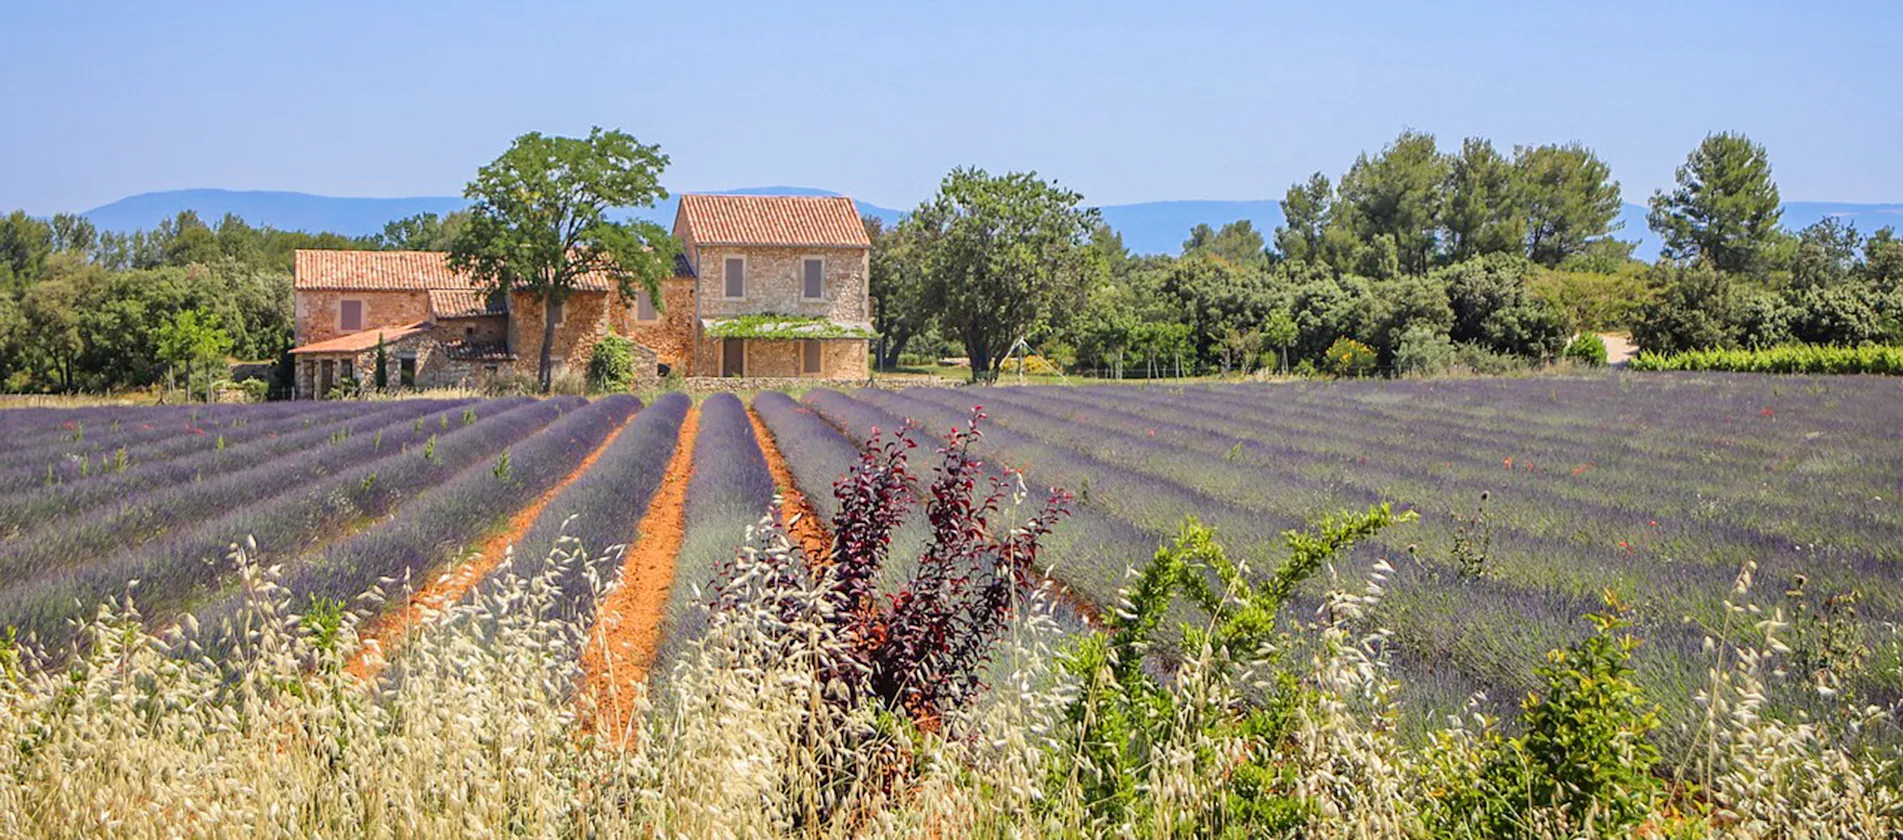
point(358, 342)
point(479, 351)
point(376, 271)
point(462, 303)
point(820, 221)
point(396, 271)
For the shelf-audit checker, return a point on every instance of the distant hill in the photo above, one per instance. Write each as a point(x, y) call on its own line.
point(281, 210)
point(349, 216)
point(1153, 227)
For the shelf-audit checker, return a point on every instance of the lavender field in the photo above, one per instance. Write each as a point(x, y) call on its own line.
point(1538, 499)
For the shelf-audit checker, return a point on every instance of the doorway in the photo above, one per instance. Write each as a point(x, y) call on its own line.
point(733, 357)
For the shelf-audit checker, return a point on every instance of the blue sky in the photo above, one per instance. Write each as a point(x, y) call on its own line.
point(1123, 101)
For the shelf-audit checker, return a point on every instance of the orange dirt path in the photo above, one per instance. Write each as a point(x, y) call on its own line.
point(385, 634)
point(627, 634)
point(802, 521)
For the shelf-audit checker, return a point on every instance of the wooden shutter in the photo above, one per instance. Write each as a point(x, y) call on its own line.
point(810, 356)
point(644, 308)
point(814, 286)
point(736, 277)
point(350, 315)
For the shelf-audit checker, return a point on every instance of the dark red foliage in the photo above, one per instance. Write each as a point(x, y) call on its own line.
point(923, 647)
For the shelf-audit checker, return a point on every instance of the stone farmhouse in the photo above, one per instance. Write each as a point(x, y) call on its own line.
point(766, 288)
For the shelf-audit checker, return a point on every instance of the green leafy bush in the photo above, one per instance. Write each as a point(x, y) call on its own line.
point(1789, 358)
point(1423, 351)
point(1587, 349)
point(1127, 720)
point(611, 368)
point(1582, 766)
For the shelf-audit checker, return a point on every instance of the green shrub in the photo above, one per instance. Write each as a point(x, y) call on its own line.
point(1582, 766)
point(1127, 720)
point(612, 366)
point(1587, 349)
point(1788, 358)
point(1348, 357)
point(1475, 358)
point(1423, 351)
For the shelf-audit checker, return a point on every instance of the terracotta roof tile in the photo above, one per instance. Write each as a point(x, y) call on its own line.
point(826, 221)
point(396, 271)
point(479, 351)
point(358, 342)
point(462, 303)
point(377, 271)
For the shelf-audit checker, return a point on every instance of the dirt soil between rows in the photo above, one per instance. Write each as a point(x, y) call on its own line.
point(808, 532)
point(627, 633)
point(384, 636)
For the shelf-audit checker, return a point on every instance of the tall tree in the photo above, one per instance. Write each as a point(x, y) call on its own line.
point(75, 233)
point(1305, 213)
point(1724, 210)
point(897, 291)
point(422, 232)
point(1883, 260)
point(1237, 242)
point(1568, 197)
point(999, 254)
point(25, 243)
point(194, 340)
point(539, 222)
point(1482, 212)
point(1398, 194)
point(1826, 254)
point(187, 240)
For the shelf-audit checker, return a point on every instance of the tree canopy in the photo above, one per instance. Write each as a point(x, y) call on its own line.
point(999, 256)
point(1724, 209)
point(538, 222)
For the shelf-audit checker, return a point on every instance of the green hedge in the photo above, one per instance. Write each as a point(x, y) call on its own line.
point(1788, 358)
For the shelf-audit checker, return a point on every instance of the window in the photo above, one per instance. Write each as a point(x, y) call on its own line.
point(812, 277)
point(644, 308)
point(809, 357)
point(350, 316)
point(559, 309)
point(736, 275)
point(406, 371)
point(469, 332)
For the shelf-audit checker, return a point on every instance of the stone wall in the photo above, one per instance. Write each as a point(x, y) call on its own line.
point(483, 328)
point(316, 318)
point(585, 318)
point(773, 283)
point(840, 359)
point(672, 337)
point(434, 367)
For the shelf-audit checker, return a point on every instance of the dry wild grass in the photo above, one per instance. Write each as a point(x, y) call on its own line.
point(474, 733)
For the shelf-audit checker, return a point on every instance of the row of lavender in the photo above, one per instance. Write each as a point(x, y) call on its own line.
point(162, 531)
point(1656, 487)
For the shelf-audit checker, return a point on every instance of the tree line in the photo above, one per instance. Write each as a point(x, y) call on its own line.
point(89, 310)
point(1414, 259)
